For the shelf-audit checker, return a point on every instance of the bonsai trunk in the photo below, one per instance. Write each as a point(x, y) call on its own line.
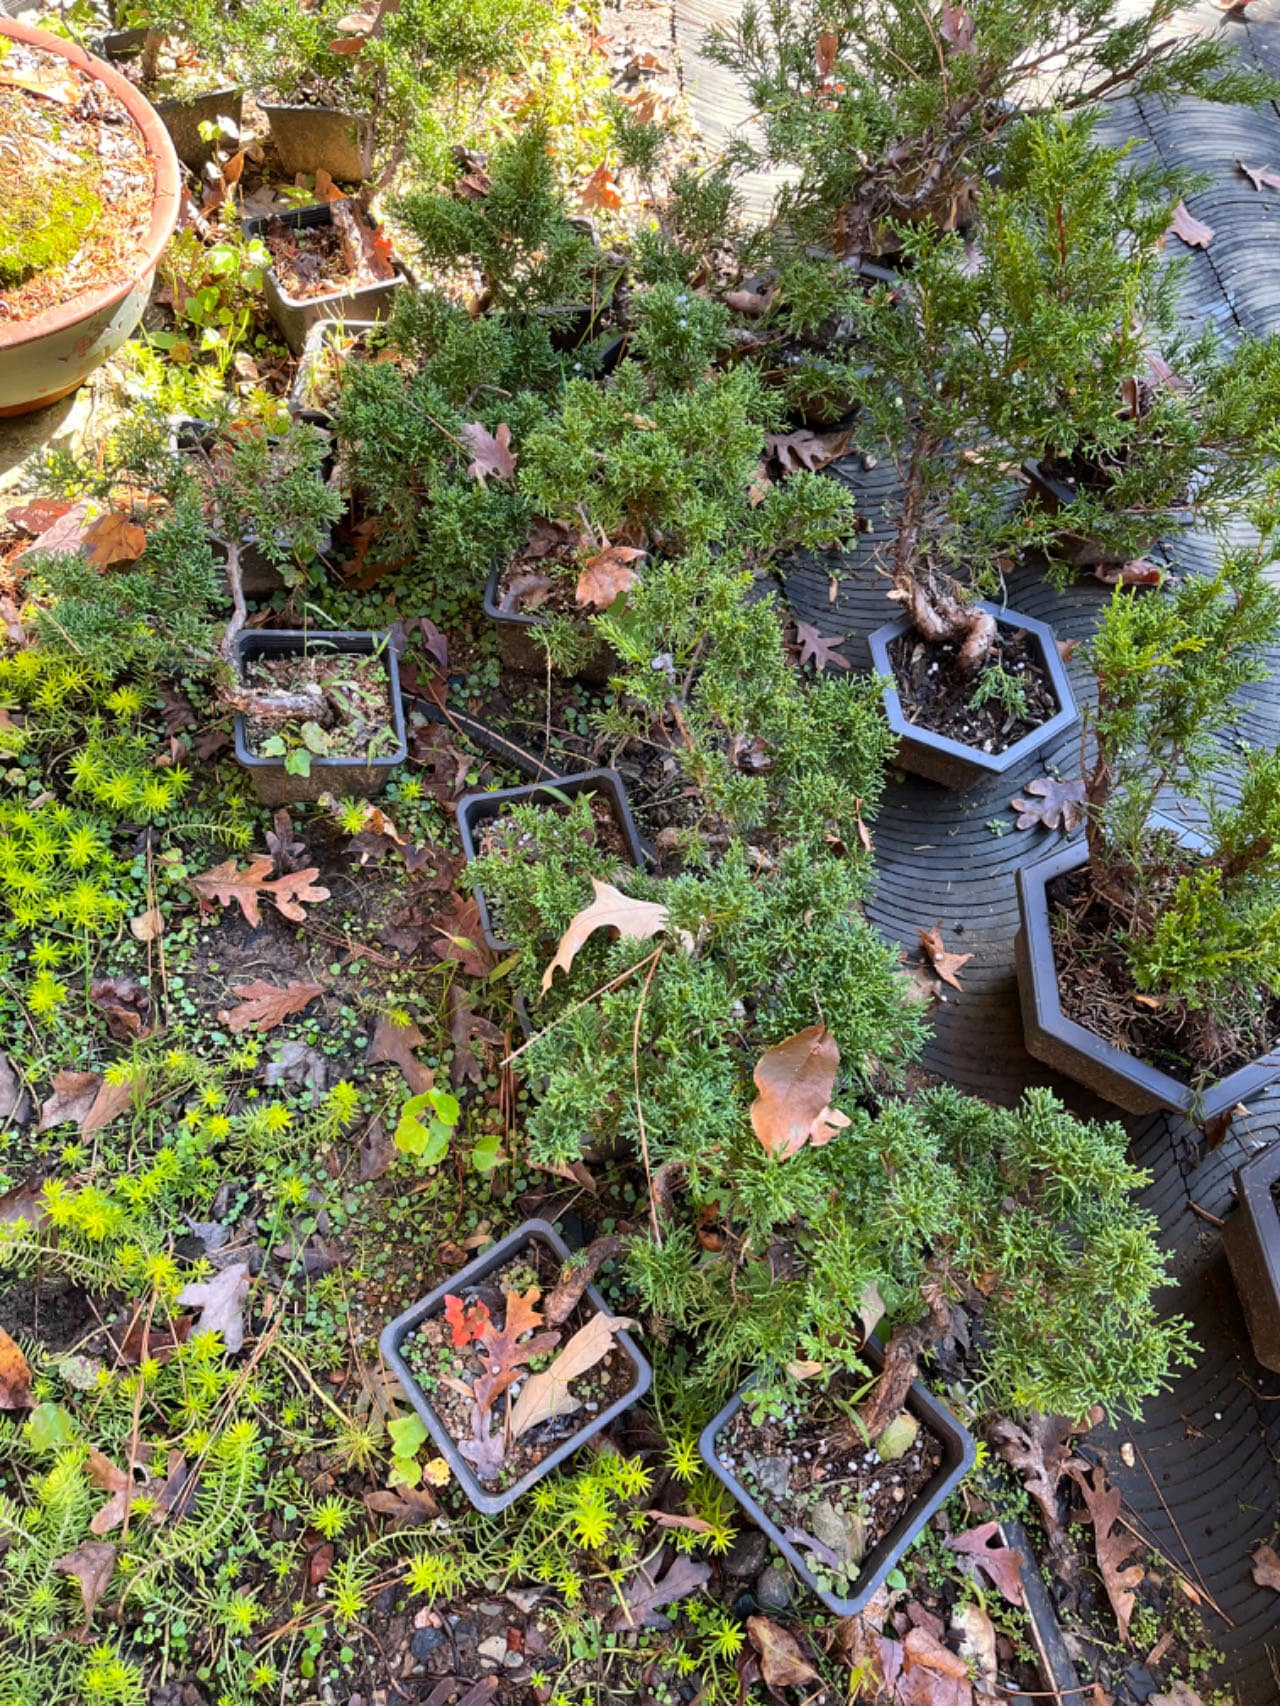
point(907, 1344)
point(936, 614)
point(306, 704)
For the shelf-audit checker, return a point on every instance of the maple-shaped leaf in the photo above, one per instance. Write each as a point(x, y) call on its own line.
point(1040, 1450)
point(1193, 232)
point(804, 449)
point(221, 1302)
point(37, 516)
point(819, 651)
point(946, 964)
point(225, 883)
point(1261, 175)
point(465, 1319)
point(493, 453)
point(795, 1080)
point(113, 539)
point(782, 1660)
point(1058, 804)
point(825, 53)
point(1112, 1549)
point(638, 920)
point(1004, 1566)
point(509, 1347)
point(643, 1599)
point(600, 190)
point(15, 1376)
point(91, 1564)
point(396, 1043)
point(261, 1005)
point(465, 1028)
point(607, 575)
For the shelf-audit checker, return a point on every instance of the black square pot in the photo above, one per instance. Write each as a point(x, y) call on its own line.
point(519, 650)
point(475, 810)
point(474, 1274)
point(313, 139)
point(1131, 1083)
point(1251, 1236)
point(959, 1452)
point(951, 762)
point(296, 315)
point(362, 778)
point(313, 346)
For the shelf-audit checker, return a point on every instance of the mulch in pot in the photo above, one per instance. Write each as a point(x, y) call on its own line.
point(937, 696)
point(332, 259)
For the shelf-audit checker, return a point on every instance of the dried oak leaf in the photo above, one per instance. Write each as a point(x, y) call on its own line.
point(91, 1564)
point(396, 1043)
point(113, 539)
point(124, 1004)
point(461, 938)
point(819, 651)
point(956, 28)
point(643, 1599)
point(638, 920)
point(465, 1028)
point(507, 1349)
point(262, 1005)
point(932, 1675)
point(224, 883)
point(546, 1394)
point(1040, 1450)
point(221, 1302)
point(1193, 232)
point(155, 1342)
point(15, 1376)
point(607, 575)
point(1111, 1548)
point(782, 1660)
point(601, 191)
point(1265, 1566)
point(407, 1505)
point(1058, 804)
point(122, 1486)
point(946, 964)
point(803, 449)
point(85, 1099)
point(1000, 1562)
point(795, 1079)
point(493, 454)
point(1260, 175)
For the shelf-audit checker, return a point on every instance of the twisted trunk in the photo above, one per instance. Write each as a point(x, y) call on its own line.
point(938, 616)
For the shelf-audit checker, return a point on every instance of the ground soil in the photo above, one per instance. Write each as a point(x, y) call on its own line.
point(1096, 990)
point(356, 690)
point(430, 1353)
point(936, 696)
point(80, 138)
point(852, 1480)
point(542, 578)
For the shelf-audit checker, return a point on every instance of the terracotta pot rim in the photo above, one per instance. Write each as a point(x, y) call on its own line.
point(164, 206)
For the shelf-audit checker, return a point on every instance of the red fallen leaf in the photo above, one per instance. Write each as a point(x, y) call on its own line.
point(1136, 573)
point(320, 1563)
point(607, 575)
point(38, 515)
point(1000, 1562)
point(820, 650)
point(465, 1319)
point(493, 453)
point(262, 1005)
point(601, 191)
point(946, 964)
point(15, 1376)
point(825, 53)
point(1193, 232)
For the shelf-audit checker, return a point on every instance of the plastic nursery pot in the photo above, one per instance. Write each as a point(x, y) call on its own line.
point(475, 810)
point(959, 1452)
point(44, 358)
point(223, 106)
point(1251, 1235)
point(1058, 495)
point(468, 1279)
point(951, 762)
point(321, 139)
point(319, 336)
point(296, 315)
point(359, 776)
point(1130, 1082)
point(520, 651)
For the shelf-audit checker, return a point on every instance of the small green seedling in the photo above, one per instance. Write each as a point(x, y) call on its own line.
point(429, 1141)
point(408, 1435)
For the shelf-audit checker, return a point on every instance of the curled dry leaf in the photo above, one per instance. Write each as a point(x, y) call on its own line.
point(121, 1485)
point(493, 453)
point(610, 910)
point(782, 1660)
point(221, 1302)
point(825, 53)
point(1039, 1449)
point(607, 575)
point(1001, 1563)
point(1261, 176)
point(113, 539)
point(547, 1394)
point(818, 650)
point(261, 1005)
point(1265, 1566)
point(600, 190)
point(803, 449)
point(795, 1080)
point(15, 1376)
point(956, 28)
point(1193, 232)
point(85, 1099)
point(1058, 804)
point(1136, 573)
point(124, 1004)
point(946, 964)
point(91, 1564)
point(147, 925)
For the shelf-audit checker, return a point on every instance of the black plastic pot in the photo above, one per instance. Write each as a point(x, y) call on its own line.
point(1058, 496)
point(356, 775)
point(181, 118)
point(1251, 1236)
point(1132, 1084)
point(521, 652)
point(468, 1278)
point(959, 1451)
point(951, 762)
point(474, 810)
point(314, 139)
point(296, 315)
point(317, 337)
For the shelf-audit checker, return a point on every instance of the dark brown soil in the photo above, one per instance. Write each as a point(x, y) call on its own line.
point(936, 696)
point(827, 1483)
point(1095, 989)
point(55, 1311)
point(75, 141)
point(313, 261)
point(431, 1354)
point(542, 584)
point(357, 697)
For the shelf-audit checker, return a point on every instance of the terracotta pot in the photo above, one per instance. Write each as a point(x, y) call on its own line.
point(45, 358)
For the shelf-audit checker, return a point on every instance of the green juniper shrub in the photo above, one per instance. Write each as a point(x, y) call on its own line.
point(893, 112)
point(1195, 932)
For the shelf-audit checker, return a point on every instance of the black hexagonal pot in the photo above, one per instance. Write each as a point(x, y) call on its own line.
point(1131, 1083)
point(1251, 1236)
point(952, 762)
point(959, 1452)
point(473, 1275)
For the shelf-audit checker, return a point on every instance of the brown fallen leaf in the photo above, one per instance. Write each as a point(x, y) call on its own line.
point(795, 1080)
point(147, 925)
point(396, 1043)
point(956, 28)
point(377, 1151)
point(932, 1675)
point(819, 651)
point(91, 1564)
point(64, 535)
point(38, 515)
point(15, 1376)
point(225, 883)
point(607, 575)
point(546, 1394)
point(124, 1004)
point(825, 53)
point(643, 1599)
point(262, 1005)
point(1264, 1563)
point(55, 82)
point(123, 1487)
point(978, 1647)
point(946, 964)
point(1111, 1548)
point(1193, 232)
point(638, 920)
point(493, 454)
point(1058, 804)
point(320, 1563)
point(24, 1202)
point(221, 1302)
point(85, 1099)
point(782, 1660)
point(154, 1343)
point(407, 1505)
point(1000, 1562)
point(1261, 175)
point(113, 539)
point(461, 937)
point(1039, 1449)
point(1135, 573)
point(600, 190)
point(803, 449)
point(465, 1028)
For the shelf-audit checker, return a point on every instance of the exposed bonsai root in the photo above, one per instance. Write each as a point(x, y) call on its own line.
point(565, 1295)
point(307, 704)
point(944, 620)
point(907, 1344)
